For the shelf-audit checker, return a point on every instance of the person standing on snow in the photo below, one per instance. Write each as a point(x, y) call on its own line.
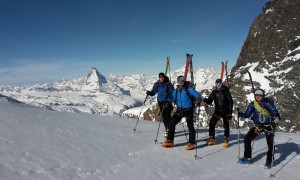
point(182, 96)
point(164, 89)
point(223, 109)
point(265, 115)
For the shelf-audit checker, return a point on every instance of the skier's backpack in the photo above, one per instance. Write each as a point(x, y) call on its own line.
point(270, 99)
point(188, 84)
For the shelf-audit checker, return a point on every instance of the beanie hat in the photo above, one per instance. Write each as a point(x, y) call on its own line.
point(161, 75)
point(219, 81)
point(180, 79)
point(259, 91)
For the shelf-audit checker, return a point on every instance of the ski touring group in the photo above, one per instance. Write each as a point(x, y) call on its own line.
point(262, 111)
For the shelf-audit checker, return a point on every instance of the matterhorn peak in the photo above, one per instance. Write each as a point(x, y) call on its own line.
point(95, 80)
point(95, 76)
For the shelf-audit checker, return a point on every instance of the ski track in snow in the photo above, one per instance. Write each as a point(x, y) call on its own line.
point(42, 144)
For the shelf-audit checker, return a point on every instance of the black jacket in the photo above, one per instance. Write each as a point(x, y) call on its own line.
point(222, 99)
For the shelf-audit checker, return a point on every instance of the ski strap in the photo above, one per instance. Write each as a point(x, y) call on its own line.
point(261, 110)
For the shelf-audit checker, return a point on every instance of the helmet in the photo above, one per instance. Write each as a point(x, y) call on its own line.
point(259, 92)
point(180, 79)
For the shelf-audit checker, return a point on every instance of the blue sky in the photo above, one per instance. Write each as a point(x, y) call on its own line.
point(49, 40)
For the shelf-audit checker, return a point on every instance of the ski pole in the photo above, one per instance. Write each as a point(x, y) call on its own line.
point(185, 133)
point(273, 151)
point(160, 114)
point(238, 110)
point(207, 122)
point(237, 127)
point(139, 115)
point(196, 155)
point(181, 114)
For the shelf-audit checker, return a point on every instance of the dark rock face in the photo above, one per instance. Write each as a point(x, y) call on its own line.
point(272, 48)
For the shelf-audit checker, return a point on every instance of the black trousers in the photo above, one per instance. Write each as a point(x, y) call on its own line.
point(165, 110)
point(178, 115)
point(212, 124)
point(252, 135)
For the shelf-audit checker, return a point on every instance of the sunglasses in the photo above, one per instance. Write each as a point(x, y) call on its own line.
point(258, 95)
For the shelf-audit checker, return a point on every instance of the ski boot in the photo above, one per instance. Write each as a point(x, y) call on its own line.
point(211, 141)
point(245, 160)
point(226, 142)
point(190, 146)
point(168, 143)
point(268, 165)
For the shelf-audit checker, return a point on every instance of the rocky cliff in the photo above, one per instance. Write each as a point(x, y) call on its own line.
point(272, 52)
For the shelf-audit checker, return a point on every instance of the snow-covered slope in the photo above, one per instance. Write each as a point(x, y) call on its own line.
point(41, 144)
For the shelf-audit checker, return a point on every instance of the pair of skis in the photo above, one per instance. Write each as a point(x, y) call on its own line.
point(224, 69)
point(189, 68)
point(168, 68)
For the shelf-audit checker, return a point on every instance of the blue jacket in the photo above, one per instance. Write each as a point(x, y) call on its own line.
point(258, 118)
point(163, 90)
point(182, 99)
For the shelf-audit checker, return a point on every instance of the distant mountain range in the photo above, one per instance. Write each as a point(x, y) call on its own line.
point(96, 94)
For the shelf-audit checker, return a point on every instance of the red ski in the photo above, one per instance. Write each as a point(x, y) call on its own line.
point(187, 64)
point(222, 70)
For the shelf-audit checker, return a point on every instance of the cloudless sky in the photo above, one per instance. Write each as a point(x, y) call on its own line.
point(48, 40)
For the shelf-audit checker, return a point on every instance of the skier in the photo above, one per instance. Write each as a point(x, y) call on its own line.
point(223, 109)
point(265, 115)
point(164, 89)
point(182, 96)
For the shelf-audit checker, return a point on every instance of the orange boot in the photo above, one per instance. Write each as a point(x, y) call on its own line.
point(211, 141)
point(190, 146)
point(226, 142)
point(168, 143)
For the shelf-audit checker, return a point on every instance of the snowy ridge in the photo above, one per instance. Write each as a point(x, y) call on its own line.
point(139, 84)
point(41, 144)
point(92, 94)
point(96, 94)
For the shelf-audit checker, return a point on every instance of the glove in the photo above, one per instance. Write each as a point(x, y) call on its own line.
point(276, 120)
point(197, 103)
point(258, 130)
point(148, 93)
point(205, 100)
point(229, 116)
point(240, 114)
